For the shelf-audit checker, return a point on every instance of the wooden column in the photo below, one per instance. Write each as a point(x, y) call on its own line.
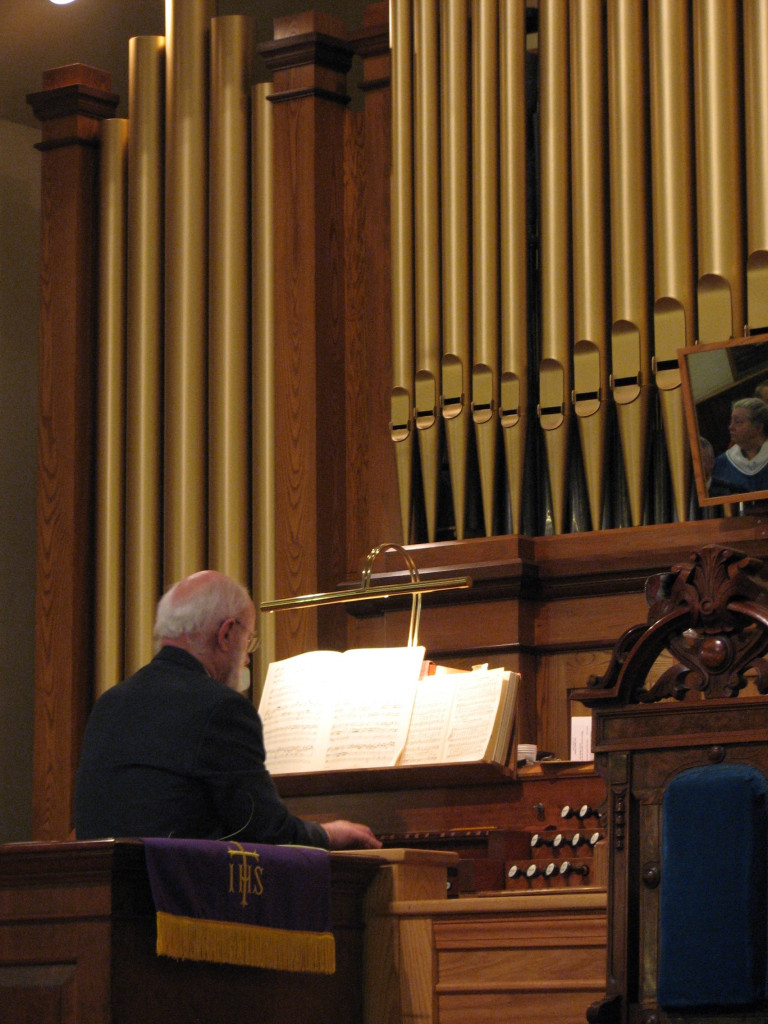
point(309, 58)
point(70, 107)
point(373, 509)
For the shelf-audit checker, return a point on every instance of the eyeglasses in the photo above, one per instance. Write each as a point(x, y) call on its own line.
point(254, 640)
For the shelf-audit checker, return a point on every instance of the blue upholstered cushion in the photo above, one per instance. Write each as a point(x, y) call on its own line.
point(713, 888)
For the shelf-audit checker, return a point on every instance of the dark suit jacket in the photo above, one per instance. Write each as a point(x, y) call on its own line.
point(173, 752)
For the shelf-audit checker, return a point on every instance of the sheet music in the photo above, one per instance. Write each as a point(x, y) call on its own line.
point(429, 720)
point(328, 710)
point(473, 715)
point(293, 710)
point(373, 707)
point(368, 734)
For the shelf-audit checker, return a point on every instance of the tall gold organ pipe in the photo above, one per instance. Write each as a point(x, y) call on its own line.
point(719, 194)
point(108, 590)
point(401, 401)
point(485, 246)
point(454, 120)
point(186, 218)
point(588, 191)
point(426, 385)
point(630, 351)
point(554, 370)
point(263, 376)
point(513, 243)
point(756, 159)
point(229, 329)
point(674, 317)
point(144, 335)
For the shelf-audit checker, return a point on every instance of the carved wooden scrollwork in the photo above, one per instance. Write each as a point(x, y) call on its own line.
point(711, 614)
point(707, 587)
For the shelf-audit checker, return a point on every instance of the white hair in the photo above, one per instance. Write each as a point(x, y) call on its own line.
point(202, 610)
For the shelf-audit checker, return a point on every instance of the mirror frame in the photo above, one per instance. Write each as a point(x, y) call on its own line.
point(743, 386)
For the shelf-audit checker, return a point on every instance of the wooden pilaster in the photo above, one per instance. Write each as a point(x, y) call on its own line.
point(309, 58)
point(373, 508)
point(72, 103)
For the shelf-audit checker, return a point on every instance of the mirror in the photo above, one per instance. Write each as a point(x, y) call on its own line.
point(713, 378)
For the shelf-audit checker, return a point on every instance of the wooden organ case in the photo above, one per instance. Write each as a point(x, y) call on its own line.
point(517, 939)
point(689, 727)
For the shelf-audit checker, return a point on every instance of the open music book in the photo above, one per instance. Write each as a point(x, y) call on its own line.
point(377, 708)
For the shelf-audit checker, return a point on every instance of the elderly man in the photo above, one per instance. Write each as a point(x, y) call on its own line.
point(744, 466)
point(176, 751)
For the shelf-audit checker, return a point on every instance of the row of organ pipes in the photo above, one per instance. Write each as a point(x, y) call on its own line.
point(185, 329)
point(552, 253)
point(577, 192)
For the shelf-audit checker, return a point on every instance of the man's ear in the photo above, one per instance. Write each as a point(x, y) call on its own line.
point(223, 634)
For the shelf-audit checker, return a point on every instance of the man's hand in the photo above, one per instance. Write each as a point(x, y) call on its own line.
point(346, 835)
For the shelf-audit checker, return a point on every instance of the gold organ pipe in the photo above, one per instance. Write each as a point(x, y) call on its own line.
point(588, 191)
point(108, 590)
point(485, 245)
point(630, 352)
point(719, 192)
point(454, 120)
point(756, 160)
point(262, 376)
point(673, 252)
point(144, 334)
point(401, 401)
point(232, 58)
point(426, 385)
point(513, 245)
point(186, 217)
point(554, 370)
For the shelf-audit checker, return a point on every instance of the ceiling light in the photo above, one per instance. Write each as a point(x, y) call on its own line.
point(61, 1)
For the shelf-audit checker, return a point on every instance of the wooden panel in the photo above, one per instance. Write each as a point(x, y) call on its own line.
point(555, 963)
point(524, 1007)
point(519, 967)
point(417, 971)
point(60, 971)
point(382, 976)
point(38, 994)
point(557, 675)
point(587, 621)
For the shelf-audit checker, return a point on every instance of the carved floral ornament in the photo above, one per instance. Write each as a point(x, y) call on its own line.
point(711, 614)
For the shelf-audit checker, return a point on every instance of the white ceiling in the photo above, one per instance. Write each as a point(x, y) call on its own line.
point(37, 35)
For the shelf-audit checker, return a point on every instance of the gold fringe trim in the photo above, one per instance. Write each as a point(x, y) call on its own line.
point(224, 942)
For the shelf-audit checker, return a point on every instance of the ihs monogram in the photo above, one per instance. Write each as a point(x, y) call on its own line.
point(245, 864)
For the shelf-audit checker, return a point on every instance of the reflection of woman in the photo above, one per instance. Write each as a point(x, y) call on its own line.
point(707, 459)
point(744, 466)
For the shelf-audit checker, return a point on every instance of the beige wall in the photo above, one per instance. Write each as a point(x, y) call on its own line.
point(19, 303)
